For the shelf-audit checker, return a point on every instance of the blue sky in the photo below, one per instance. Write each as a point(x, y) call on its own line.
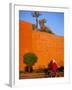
point(55, 20)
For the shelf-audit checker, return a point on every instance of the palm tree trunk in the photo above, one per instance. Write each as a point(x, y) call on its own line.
point(37, 23)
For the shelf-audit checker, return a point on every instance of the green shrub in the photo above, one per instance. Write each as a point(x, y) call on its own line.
point(48, 31)
point(33, 26)
point(30, 59)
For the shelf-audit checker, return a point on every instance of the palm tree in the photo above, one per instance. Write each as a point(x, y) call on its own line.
point(36, 14)
point(29, 59)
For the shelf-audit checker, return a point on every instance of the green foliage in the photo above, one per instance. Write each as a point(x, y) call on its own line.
point(48, 31)
point(33, 26)
point(36, 14)
point(30, 59)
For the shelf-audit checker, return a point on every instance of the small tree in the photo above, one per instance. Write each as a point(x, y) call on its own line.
point(30, 59)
